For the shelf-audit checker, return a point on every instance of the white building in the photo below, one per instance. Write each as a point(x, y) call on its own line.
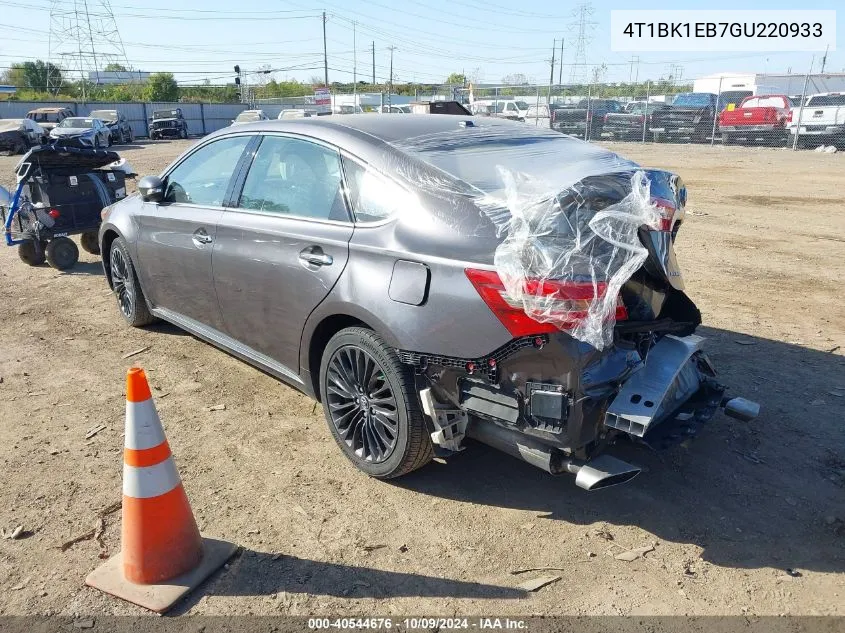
point(767, 83)
point(118, 77)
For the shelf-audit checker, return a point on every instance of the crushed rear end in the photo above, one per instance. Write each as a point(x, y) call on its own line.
point(603, 346)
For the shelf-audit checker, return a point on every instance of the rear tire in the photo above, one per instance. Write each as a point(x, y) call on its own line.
point(62, 253)
point(30, 254)
point(371, 405)
point(130, 298)
point(89, 242)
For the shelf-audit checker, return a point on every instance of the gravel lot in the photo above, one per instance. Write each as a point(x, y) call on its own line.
point(763, 253)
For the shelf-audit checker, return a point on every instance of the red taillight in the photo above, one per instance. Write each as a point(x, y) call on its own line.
point(54, 213)
point(567, 303)
point(640, 120)
point(589, 116)
point(666, 210)
point(789, 118)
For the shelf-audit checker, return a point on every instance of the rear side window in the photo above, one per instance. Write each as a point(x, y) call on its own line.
point(204, 176)
point(373, 197)
point(827, 100)
point(295, 177)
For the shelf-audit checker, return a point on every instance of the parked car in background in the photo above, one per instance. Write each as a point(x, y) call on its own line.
point(295, 113)
point(347, 109)
point(822, 120)
point(18, 135)
point(168, 124)
point(501, 108)
point(121, 130)
point(584, 119)
point(438, 107)
point(542, 115)
point(689, 116)
point(331, 252)
point(81, 132)
point(394, 109)
point(632, 123)
point(250, 116)
point(761, 117)
point(48, 118)
point(730, 99)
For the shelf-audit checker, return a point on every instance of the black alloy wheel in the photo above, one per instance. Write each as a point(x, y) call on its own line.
point(362, 404)
point(371, 405)
point(124, 282)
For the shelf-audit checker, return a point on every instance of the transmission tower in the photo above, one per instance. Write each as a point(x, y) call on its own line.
point(582, 27)
point(84, 39)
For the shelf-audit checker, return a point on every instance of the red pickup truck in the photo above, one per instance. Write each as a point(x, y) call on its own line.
point(757, 117)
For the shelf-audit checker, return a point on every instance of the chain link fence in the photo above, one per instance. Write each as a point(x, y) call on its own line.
point(798, 112)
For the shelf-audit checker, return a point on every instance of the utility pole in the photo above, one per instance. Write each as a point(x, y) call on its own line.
point(325, 55)
point(390, 85)
point(374, 63)
point(560, 72)
point(354, 65)
point(552, 71)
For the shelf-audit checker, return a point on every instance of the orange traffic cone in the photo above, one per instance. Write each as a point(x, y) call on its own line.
point(163, 556)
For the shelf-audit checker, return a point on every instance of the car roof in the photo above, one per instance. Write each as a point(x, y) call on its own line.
point(388, 130)
point(48, 110)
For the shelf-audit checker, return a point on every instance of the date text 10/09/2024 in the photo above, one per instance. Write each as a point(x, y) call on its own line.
point(723, 29)
point(421, 623)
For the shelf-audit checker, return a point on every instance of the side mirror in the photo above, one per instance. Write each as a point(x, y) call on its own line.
point(151, 189)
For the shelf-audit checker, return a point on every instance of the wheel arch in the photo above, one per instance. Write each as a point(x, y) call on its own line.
point(109, 236)
point(319, 338)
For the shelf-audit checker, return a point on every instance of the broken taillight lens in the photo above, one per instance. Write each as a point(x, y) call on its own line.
point(666, 210)
point(565, 303)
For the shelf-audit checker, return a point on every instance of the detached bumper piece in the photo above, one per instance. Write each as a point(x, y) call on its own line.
point(673, 394)
point(640, 402)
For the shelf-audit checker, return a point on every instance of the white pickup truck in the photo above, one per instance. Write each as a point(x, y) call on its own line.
point(823, 119)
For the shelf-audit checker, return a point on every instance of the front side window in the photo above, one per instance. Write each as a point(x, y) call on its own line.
point(204, 176)
point(374, 197)
point(295, 177)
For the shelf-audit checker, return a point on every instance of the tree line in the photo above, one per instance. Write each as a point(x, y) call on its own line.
point(44, 81)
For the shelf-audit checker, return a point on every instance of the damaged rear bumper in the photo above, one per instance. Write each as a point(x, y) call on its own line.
point(562, 424)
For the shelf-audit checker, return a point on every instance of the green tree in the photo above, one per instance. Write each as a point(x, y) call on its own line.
point(115, 68)
point(162, 87)
point(456, 79)
point(36, 76)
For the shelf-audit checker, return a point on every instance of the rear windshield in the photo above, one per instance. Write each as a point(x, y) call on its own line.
point(764, 102)
point(826, 100)
point(44, 117)
point(165, 114)
point(9, 125)
point(538, 160)
point(77, 123)
point(693, 100)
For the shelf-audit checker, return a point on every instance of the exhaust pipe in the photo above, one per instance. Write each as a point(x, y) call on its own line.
point(741, 409)
point(600, 472)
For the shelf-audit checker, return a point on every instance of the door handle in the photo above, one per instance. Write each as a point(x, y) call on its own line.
point(315, 256)
point(200, 237)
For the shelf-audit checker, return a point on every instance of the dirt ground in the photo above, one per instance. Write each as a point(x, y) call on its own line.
point(763, 252)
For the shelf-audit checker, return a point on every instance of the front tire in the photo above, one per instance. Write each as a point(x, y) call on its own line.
point(62, 253)
point(371, 405)
point(130, 297)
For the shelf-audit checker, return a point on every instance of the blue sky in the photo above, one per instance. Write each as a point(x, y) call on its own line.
point(203, 39)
